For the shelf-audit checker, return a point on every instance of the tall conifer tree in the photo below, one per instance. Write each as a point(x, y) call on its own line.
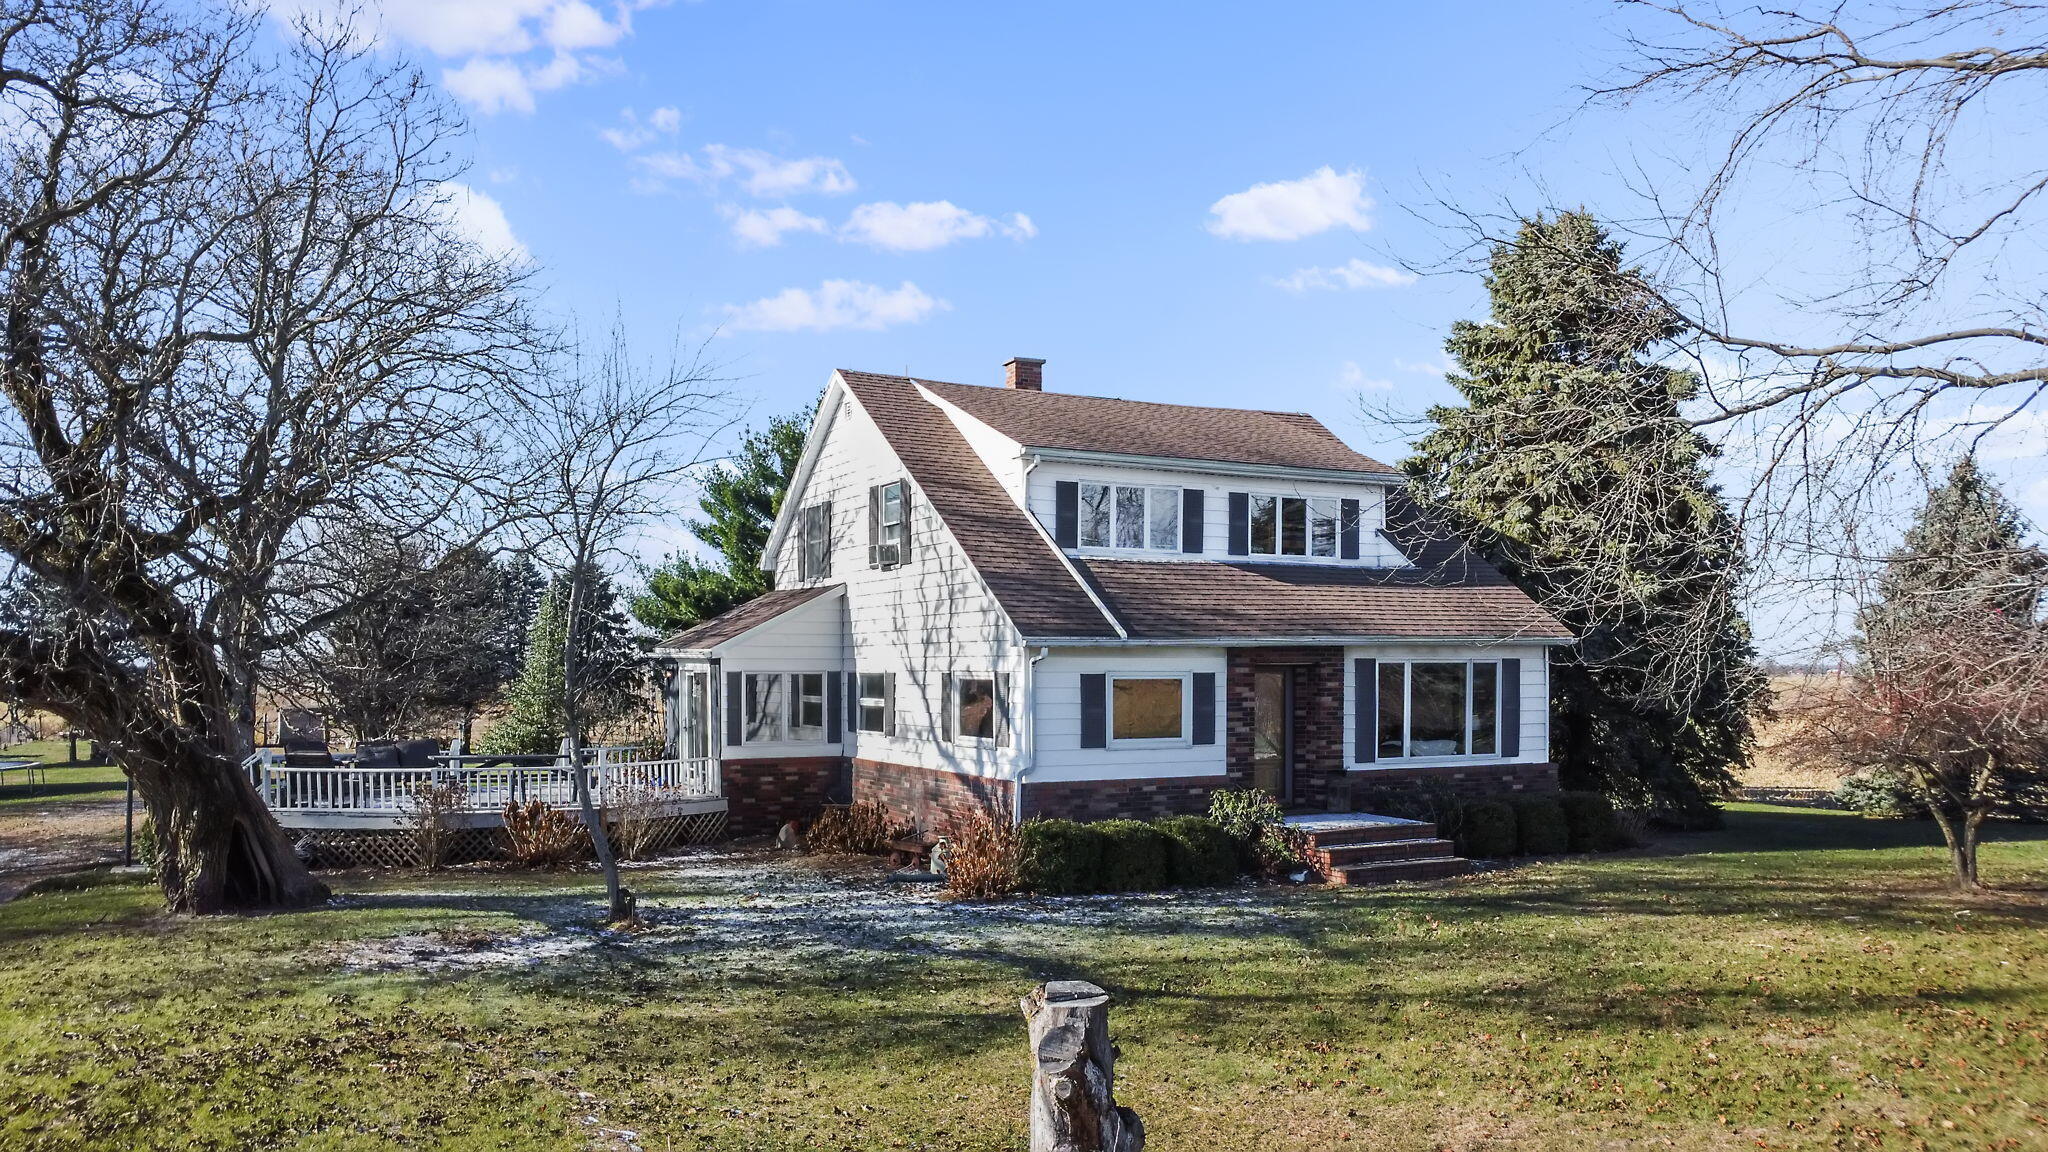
point(1571, 468)
point(1966, 551)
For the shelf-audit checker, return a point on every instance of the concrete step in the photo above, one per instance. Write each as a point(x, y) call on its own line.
point(1381, 851)
point(1327, 831)
point(1395, 871)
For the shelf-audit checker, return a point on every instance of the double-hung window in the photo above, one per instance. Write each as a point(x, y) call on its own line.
point(1146, 711)
point(976, 710)
point(1131, 517)
point(807, 706)
point(814, 524)
point(889, 524)
point(871, 702)
point(764, 708)
point(1294, 525)
point(1438, 708)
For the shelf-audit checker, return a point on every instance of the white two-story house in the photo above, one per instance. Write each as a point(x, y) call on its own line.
point(1008, 598)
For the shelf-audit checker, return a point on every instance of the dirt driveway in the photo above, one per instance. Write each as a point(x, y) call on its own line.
point(63, 835)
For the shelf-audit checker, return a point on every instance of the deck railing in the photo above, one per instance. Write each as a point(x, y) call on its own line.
point(486, 784)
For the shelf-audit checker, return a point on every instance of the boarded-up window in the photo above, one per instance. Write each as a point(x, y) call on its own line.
point(1147, 708)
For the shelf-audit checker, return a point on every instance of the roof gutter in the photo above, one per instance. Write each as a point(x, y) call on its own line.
point(1281, 641)
point(1222, 467)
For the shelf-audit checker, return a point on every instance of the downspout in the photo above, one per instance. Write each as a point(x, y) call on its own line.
point(1029, 730)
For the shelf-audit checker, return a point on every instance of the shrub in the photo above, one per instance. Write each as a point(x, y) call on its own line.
point(1133, 856)
point(430, 817)
point(1431, 803)
point(1060, 856)
point(145, 843)
point(1489, 831)
point(862, 826)
point(1252, 817)
point(1200, 853)
point(542, 837)
point(984, 858)
point(1540, 829)
point(640, 826)
point(1590, 823)
point(1879, 792)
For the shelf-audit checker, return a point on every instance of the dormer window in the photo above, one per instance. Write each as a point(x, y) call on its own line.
point(1294, 526)
point(1130, 517)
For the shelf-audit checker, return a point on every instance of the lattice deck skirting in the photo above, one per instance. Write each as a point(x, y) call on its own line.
point(397, 848)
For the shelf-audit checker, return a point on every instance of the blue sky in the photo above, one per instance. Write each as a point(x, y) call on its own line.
point(1200, 203)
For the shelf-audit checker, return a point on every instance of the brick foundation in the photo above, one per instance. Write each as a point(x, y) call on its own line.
point(928, 800)
point(762, 794)
point(1121, 799)
point(1378, 784)
point(1318, 720)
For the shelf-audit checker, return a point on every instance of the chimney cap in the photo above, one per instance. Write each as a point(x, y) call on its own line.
point(1024, 374)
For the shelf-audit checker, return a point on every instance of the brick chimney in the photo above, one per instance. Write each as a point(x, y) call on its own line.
point(1024, 373)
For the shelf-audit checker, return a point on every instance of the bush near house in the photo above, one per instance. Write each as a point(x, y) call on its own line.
point(1253, 818)
point(984, 859)
point(1200, 854)
point(1134, 856)
point(1489, 831)
point(1539, 827)
point(1590, 823)
point(1060, 857)
point(862, 826)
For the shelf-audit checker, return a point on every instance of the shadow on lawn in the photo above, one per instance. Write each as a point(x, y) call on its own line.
point(1757, 828)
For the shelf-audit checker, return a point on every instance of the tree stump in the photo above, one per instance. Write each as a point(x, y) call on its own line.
point(1073, 1107)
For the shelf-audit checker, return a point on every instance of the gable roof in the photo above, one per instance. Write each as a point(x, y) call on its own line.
point(733, 624)
point(1447, 593)
point(1058, 420)
point(1028, 576)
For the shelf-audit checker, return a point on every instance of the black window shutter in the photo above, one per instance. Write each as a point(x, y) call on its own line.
point(834, 711)
point(874, 525)
point(1205, 708)
point(825, 540)
point(1240, 524)
point(1094, 710)
point(888, 703)
point(1066, 516)
point(1003, 709)
point(1191, 519)
point(1348, 529)
point(1510, 708)
point(903, 525)
point(946, 707)
point(1365, 725)
point(735, 707)
point(852, 713)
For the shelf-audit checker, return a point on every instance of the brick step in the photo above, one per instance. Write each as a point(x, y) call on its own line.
point(1368, 832)
point(1395, 871)
point(1381, 851)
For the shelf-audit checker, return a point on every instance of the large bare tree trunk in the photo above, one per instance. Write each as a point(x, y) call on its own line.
point(218, 847)
point(1073, 1102)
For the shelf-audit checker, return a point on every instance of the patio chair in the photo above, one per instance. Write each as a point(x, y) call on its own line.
point(418, 753)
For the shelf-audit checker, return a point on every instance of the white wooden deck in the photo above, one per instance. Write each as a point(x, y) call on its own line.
point(346, 796)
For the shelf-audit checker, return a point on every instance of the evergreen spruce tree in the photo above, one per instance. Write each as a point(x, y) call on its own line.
point(535, 719)
point(1966, 551)
point(1571, 468)
point(740, 503)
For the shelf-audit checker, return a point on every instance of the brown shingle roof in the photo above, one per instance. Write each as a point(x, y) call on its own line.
point(745, 618)
point(1020, 567)
point(1144, 428)
point(1448, 593)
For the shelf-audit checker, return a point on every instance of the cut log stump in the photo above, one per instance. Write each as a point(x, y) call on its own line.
point(1073, 1104)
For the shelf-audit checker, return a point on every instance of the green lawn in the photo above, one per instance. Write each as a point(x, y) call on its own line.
point(1796, 981)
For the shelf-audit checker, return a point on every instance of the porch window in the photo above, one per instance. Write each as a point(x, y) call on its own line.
point(695, 738)
point(764, 708)
point(807, 706)
point(1294, 526)
point(1130, 517)
point(871, 707)
point(1433, 708)
point(1147, 709)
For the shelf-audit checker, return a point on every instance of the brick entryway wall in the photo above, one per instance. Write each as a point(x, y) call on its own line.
point(1318, 678)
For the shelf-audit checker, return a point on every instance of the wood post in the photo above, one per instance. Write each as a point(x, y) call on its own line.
point(1073, 1106)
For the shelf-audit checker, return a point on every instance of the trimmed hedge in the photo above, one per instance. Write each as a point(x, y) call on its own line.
point(1200, 854)
point(1590, 822)
point(1061, 857)
point(1134, 856)
point(1489, 831)
point(1540, 829)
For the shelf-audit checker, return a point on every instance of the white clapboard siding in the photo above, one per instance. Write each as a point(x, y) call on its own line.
point(930, 616)
point(1057, 716)
point(1374, 551)
point(1535, 702)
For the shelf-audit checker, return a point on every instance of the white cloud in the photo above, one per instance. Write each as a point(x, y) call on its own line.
point(1290, 209)
point(635, 132)
point(759, 173)
point(501, 42)
point(1424, 367)
point(923, 226)
point(756, 228)
point(836, 305)
point(1352, 377)
point(1354, 273)
point(482, 219)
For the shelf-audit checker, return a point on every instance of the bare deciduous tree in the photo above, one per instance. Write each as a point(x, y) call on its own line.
point(611, 446)
point(236, 316)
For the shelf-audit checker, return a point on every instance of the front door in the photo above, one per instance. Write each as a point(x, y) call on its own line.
point(1273, 732)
